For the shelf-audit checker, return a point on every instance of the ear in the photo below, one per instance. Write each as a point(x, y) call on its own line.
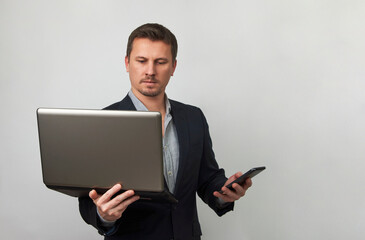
point(126, 61)
point(174, 67)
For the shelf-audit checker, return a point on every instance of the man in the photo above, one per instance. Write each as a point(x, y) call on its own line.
point(189, 162)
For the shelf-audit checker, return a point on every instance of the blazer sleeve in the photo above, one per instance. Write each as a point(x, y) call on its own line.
point(89, 215)
point(211, 177)
point(87, 207)
point(88, 212)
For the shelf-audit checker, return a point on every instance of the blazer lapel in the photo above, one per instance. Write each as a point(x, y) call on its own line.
point(181, 128)
point(125, 104)
point(183, 137)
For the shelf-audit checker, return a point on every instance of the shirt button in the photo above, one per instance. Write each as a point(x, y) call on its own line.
point(169, 173)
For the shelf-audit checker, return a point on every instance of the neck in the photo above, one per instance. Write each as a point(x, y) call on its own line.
point(156, 103)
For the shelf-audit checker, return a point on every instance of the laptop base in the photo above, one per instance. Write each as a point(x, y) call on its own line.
point(164, 196)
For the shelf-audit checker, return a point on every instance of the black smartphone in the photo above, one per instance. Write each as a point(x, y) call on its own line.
point(249, 174)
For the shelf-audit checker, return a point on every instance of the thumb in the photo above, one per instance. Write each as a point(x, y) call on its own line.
point(238, 174)
point(93, 195)
point(231, 179)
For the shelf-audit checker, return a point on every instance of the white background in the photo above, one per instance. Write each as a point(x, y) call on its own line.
point(281, 83)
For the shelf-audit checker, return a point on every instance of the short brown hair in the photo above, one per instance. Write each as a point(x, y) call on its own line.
point(153, 32)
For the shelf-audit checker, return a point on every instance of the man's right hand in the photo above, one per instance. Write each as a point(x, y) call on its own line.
point(112, 209)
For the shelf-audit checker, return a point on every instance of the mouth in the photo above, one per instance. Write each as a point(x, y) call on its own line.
point(148, 82)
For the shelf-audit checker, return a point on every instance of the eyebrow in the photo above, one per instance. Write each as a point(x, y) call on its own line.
point(157, 59)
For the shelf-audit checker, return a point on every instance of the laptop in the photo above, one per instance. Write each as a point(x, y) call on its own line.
point(83, 150)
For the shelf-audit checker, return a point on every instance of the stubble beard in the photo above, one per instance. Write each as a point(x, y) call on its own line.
point(147, 93)
point(150, 91)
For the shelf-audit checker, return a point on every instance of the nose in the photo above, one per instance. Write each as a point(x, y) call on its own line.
point(150, 69)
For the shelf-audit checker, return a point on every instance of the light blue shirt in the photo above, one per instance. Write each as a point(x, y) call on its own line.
point(170, 151)
point(170, 142)
point(170, 145)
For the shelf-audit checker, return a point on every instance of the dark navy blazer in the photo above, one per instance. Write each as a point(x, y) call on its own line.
point(198, 173)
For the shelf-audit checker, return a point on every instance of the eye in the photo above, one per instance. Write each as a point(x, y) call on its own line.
point(161, 62)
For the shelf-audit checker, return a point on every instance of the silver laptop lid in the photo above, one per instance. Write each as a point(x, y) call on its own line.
point(99, 148)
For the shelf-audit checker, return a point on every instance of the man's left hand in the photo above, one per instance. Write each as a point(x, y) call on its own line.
point(239, 190)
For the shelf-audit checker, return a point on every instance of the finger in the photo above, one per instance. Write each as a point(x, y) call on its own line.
point(124, 204)
point(238, 174)
point(113, 209)
point(239, 190)
point(116, 213)
point(108, 194)
point(233, 177)
point(232, 195)
point(94, 195)
point(248, 183)
point(223, 197)
point(118, 200)
point(218, 194)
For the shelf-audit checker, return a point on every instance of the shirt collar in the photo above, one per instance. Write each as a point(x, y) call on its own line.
point(141, 107)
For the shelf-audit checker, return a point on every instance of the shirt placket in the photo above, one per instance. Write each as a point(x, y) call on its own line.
point(168, 161)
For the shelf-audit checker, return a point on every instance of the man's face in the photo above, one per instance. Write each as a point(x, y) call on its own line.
point(150, 67)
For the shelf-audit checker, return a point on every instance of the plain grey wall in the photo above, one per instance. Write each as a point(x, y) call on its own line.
point(281, 84)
